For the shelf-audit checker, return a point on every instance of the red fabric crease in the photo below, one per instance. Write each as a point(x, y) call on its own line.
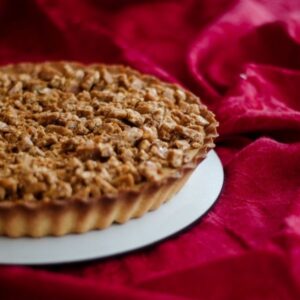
point(243, 59)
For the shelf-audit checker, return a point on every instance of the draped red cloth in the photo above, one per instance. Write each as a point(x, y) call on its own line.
point(243, 59)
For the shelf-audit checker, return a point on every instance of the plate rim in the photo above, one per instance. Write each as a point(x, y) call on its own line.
point(58, 261)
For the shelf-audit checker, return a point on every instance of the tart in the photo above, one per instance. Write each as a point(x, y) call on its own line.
point(83, 146)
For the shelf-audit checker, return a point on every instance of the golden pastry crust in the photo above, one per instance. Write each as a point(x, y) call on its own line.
point(82, 146)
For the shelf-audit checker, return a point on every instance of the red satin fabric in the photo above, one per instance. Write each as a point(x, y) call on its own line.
point(243, 59)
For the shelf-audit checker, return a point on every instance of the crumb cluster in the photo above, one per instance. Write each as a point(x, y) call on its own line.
point(73, 131)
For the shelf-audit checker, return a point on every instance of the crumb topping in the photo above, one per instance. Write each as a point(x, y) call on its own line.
point(69, 131)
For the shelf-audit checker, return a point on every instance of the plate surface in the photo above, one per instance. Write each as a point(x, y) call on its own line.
point(193, 201)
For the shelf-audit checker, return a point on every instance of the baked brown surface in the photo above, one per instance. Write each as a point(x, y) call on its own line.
point(84, 146)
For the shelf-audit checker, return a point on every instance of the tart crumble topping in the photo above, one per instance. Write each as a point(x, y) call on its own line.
point(70, 131)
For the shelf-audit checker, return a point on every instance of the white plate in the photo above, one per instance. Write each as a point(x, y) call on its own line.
point(197, 196)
